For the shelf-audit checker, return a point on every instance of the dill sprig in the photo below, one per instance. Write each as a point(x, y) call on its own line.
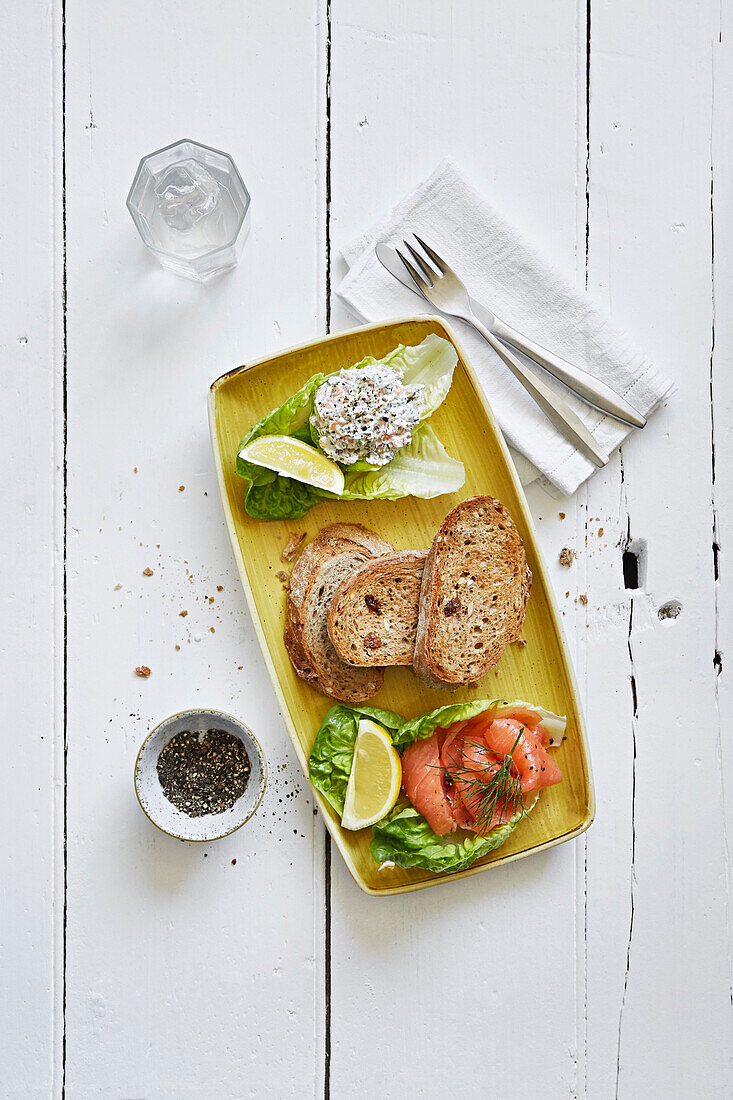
point(483, 796)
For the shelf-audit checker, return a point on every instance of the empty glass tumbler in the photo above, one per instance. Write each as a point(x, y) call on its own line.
point(191, 208)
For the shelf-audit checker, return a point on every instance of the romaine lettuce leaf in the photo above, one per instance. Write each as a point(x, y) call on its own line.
point(431, 364)
point(289, 419)
point(422, 469)
point(425, 725)
point(329, 765)
point(281, 498)
point(405, 838)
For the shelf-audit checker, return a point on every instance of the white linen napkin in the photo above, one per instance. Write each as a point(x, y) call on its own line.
point(503, 272)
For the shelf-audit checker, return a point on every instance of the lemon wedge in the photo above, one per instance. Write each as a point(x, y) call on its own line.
point(376, 777)
point(293, 458)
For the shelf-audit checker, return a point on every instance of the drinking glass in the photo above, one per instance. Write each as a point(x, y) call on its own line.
point(191, 208)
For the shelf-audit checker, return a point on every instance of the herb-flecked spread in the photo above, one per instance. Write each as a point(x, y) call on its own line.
point(365, 414)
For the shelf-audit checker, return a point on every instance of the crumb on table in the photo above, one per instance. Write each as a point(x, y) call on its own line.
point(292, 546)
point(567, 556)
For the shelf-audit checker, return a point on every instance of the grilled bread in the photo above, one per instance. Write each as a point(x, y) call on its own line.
point(335, 553)
point(474, 594)
point(373, 616)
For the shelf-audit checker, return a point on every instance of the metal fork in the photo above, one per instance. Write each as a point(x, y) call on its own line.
point(442, 288)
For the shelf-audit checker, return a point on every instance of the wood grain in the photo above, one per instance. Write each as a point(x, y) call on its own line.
point(186, 975)
point(31, 558)
point(602, 130)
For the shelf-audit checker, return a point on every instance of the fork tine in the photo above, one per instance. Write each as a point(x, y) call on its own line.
point(422, 263)
point(441, 265)
point(417, 279)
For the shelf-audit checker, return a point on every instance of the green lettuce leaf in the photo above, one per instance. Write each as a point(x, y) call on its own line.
point(269, 495)
point(405, 838)
point(281, 498)
point(329, 766)
point(292, 419)
point(422, 469)
point(425, 725)
point(431, 364)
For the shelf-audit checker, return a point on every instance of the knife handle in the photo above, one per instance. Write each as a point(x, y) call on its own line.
point(592, 390)
point(557, 411)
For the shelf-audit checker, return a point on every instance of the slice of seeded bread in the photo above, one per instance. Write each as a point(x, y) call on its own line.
point(474, 594)
point(373, 615)
point(332, 555)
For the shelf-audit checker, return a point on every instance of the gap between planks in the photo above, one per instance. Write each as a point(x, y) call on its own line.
point(327, 890)
point(718, 656)
point(61, 511)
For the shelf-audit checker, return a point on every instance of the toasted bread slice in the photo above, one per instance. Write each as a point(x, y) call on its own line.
point(474, 594)
point(334, 553)
point(373, 615)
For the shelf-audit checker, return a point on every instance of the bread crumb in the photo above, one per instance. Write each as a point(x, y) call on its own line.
point(292, 546)
point(183, 614)
point(521, 642)
point(211, 630)
point(117, 587)
point(283, 577)
point(181, 488)
point(600, 532)
point(583, 599)
point(567, 556)
point(147, 572)
point(142, 670)
point(211, 599)
point(134, 469)
point(562, 515)
point(220, 588)
point(178, 647)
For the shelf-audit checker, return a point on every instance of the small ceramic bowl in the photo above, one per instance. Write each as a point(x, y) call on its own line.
point(167, 816)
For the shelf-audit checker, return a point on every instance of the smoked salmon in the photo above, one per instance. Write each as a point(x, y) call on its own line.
point(475, 773)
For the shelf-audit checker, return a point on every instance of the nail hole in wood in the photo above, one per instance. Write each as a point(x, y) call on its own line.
point(634, 565)
point(631, 570)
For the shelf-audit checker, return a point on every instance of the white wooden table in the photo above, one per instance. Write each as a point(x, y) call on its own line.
point(135, 966)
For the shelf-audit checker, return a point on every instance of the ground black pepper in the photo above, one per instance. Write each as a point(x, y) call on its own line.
point(203, 773)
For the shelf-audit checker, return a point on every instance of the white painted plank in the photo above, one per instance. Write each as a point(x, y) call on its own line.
point(188, 976)
point(30, 453)
point(409, 974)
point(722, 392)
point(651, 86)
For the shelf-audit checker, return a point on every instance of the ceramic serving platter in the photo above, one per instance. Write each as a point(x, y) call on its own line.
point(540, 671)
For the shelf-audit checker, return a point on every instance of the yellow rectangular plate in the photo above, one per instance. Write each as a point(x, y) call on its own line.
point(540, 672)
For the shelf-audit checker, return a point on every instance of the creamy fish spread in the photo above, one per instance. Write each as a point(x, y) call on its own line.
point(365, 414)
